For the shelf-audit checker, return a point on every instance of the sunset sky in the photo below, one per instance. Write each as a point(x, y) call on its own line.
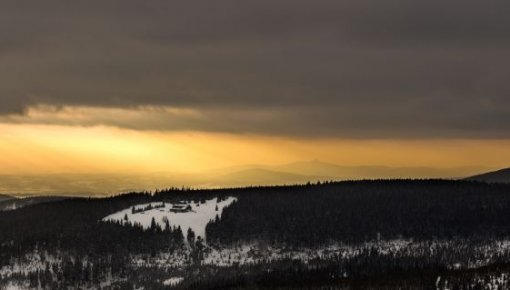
point(186, 86)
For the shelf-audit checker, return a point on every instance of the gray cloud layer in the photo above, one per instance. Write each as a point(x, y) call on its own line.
point(353, 68)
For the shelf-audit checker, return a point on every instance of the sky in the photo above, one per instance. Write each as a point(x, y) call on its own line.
point(145, 86)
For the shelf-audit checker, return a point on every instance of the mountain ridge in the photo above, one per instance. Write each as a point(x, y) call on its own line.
point(318, 168)
point(240, 175)
point(262, 176)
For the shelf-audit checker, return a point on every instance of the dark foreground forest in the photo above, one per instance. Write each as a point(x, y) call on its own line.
point(393, 234)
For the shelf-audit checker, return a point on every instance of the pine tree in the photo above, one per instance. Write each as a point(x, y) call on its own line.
point(191, 236)
point(178, 235)
point(153, 225)
point(168, 229)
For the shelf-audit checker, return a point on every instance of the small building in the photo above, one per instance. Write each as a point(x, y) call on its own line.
point(178, 208)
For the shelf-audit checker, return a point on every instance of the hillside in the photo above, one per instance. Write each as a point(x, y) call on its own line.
point(502, 175)
point(311, 236)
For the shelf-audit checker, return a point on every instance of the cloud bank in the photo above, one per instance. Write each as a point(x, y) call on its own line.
point(353, 68)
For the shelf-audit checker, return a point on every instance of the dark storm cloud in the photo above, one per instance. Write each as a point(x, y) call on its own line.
point(350, 68)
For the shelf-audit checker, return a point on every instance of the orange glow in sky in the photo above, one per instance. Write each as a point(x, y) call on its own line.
point(65, 149)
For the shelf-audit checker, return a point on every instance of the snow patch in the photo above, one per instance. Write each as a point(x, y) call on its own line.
point(174, 281)
point(196, 219)
point(12, 286)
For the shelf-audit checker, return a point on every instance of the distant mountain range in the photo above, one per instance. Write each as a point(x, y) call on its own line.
point(260, 176)
point(236, 176)
point(339, 172)
point(502, 175)
point(317, 168)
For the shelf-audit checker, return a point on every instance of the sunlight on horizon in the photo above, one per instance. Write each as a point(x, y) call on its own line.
point(38, 149)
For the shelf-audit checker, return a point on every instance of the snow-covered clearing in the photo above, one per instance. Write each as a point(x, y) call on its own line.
point(29, 263)
point(174, 281)
point(14, 286)
point(196, 219)
point(256, 252)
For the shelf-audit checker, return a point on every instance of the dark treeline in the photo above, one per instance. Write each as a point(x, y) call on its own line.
point(367, 210)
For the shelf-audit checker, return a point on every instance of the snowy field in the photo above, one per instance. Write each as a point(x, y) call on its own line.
point(256, 252)
point(173, 281)
point(196, 219)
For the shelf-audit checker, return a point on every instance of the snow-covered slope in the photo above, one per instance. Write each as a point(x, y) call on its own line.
point(174, 281)
point(196, 219)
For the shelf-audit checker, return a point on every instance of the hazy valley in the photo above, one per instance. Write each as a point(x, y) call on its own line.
point(105, 184)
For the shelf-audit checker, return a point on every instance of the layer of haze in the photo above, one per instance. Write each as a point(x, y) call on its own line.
point(56, 159)
point(35, 149)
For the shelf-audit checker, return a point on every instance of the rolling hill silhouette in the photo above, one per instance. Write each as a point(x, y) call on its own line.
point(259, 176)
point(502, 175)
point(319, 168)
point(235, 176)
point(314, 169)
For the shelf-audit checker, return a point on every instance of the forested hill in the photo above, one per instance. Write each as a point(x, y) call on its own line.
point(366, 210)
point(301, 214)
point(502, 175)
